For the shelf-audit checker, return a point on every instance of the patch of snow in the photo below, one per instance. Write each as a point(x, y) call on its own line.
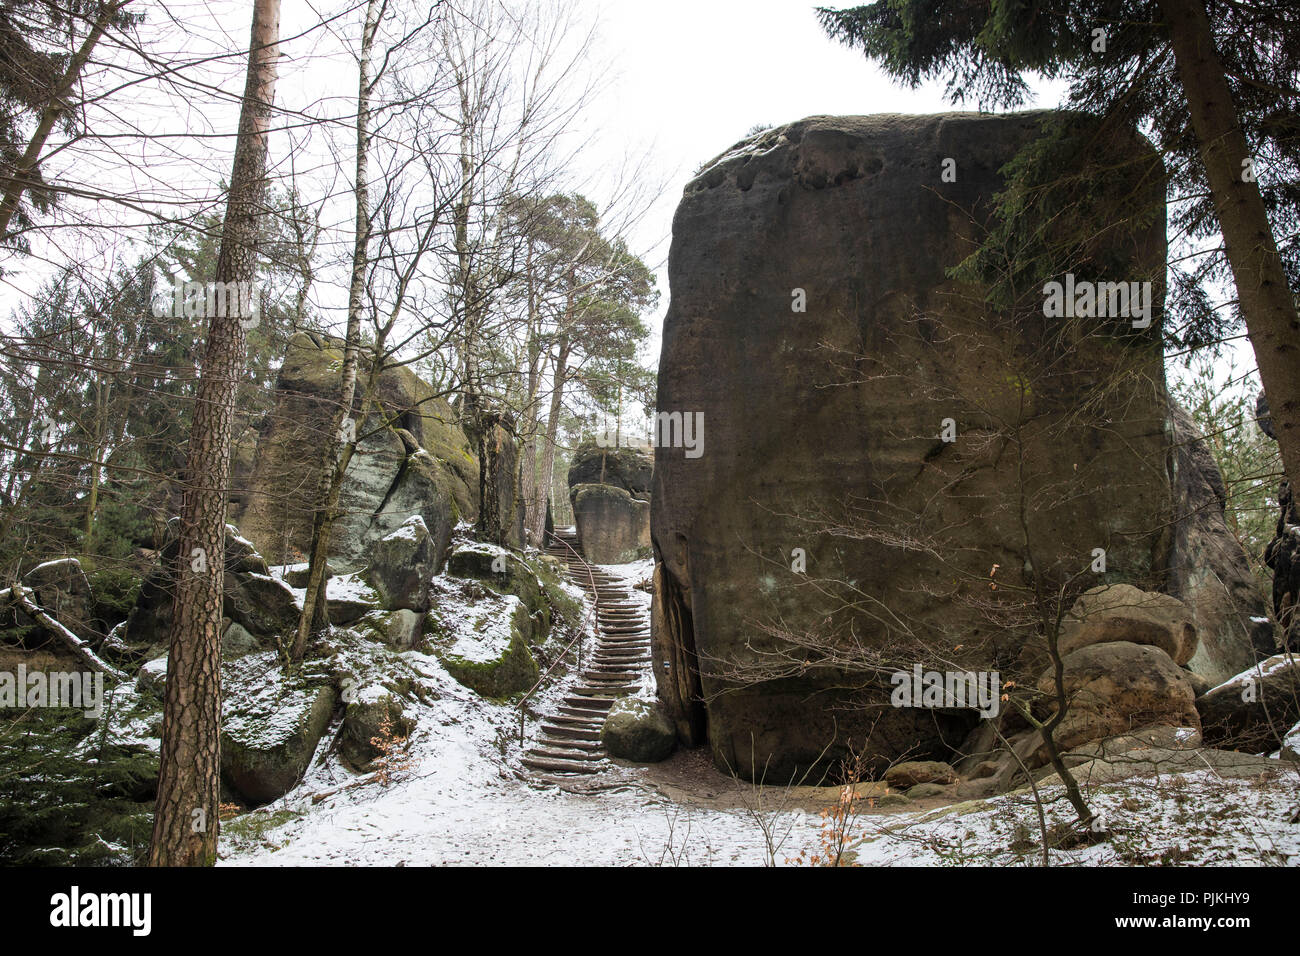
point(1258, 672)
point(475, 620)
point(72, 562)
point(350, 587)
point(1193, 819)
point(408, 530)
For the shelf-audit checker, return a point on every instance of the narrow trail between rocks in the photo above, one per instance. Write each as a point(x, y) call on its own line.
point(569, 747)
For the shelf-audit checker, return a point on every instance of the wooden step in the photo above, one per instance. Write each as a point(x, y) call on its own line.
point(569, 743)
point(598, 705)
point(565, 754)
point(559, 766)
point(575, 733)
point(569, 720)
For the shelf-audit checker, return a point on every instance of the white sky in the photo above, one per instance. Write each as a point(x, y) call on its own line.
point(694, 76)
point(687, 79)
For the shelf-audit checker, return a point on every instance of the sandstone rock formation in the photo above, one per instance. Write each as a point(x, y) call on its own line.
point(613, 526)
point(270, 727)
point(609, 489)
point(1119, 687)
point(1207, 569)
point(1252, 711)
point(420, 463)
point(1283, 556)
point(891, 462)
point(401, 564)
point(1283, 553)
point(638, 730)
point(629, 468)
point(263, 607)
point(912, 773)
point(1120, 612)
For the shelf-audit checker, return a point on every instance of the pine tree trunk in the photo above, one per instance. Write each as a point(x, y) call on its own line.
point(186, 813)
point(1266, 301)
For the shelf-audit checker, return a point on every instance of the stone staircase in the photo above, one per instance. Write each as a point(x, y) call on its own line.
point(569, 746)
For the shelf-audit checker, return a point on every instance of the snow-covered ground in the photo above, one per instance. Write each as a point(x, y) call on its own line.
point(464, 800)
point(1192, 819)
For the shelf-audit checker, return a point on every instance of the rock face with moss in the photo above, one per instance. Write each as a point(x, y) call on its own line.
point(263, 608)
point(271, 725)
point(491, 610)
point(412, 459)
point(875, 425)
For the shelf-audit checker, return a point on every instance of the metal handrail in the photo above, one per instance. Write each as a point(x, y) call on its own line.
point(582, 632)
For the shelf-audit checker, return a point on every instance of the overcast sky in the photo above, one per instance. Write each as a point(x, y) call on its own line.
point(691, 77)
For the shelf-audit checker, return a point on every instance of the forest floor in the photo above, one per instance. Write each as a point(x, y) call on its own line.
point(465, 800)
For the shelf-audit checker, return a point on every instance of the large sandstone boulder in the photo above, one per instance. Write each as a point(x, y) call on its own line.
point(1252, 711)
point(638, 730)
point(264, 608)
point(614, 527)
point(364, 720)
point(401, 564)
point(837, 416)
point(629, 468)
point(1121, 612)
point(270, 725)
point(420, 464)
point(1208, 569)
point(1119, 687)
point(497, 661)
point(912, 773)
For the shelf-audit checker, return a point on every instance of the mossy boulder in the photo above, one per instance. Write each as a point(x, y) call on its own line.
point(400, 629)
point(537, 583)
point(261, 605)
point(363, 722)
point(638, 730)
point(401, 564)
point(271, 725)
point(499, 665)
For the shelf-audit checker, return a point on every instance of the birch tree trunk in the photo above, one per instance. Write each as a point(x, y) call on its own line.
point(341, 443)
